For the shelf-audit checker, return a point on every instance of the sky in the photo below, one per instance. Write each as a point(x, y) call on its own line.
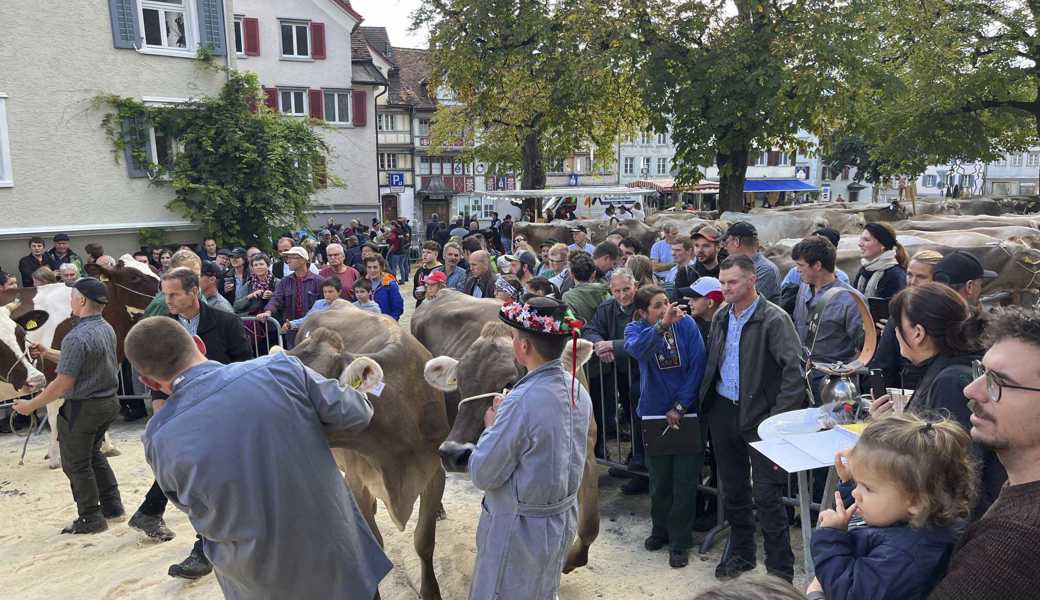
point(396, 16)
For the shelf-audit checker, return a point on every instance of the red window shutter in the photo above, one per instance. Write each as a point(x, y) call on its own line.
point(317, 40)
point(360, 106)
point(271, 98)
point(251, 36)
point(317, 109)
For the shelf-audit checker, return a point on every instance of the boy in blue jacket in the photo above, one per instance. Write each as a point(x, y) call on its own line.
point(914, 483)
point(670, 351)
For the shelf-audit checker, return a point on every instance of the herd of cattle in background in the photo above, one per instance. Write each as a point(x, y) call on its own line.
point(457, 349)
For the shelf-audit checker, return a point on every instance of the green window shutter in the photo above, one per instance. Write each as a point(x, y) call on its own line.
point(123, 14)
point(135, 135)
point(212, 32)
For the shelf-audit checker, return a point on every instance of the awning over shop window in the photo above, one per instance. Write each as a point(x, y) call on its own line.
point(777, 185)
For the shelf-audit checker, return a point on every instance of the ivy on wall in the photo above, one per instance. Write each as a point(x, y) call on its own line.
point(242, 171)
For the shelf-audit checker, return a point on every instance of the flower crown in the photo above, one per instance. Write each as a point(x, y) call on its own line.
point(525, 317)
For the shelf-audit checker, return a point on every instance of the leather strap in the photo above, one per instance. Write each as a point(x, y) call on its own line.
point(869, 330)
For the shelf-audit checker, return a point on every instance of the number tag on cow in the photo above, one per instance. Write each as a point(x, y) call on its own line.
point(377, 389)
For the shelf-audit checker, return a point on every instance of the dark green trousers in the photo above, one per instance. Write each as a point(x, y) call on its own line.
point(673, 497)
point(81, 429)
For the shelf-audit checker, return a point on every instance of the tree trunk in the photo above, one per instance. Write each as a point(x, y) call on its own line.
point(732, 174)
point(534, 170)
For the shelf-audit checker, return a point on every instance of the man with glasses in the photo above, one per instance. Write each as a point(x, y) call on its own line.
point(338, 268)
point(998, 554)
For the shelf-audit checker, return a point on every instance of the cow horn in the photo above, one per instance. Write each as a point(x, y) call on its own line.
point(584, 353)
point(13, 304)
point(440, 372)
point(275, 350)
point(363, 374)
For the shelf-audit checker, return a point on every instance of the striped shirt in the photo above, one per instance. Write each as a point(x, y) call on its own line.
point(88, 354)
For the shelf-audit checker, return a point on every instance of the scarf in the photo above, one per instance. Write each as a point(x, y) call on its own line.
point(876, 267)
point(264, 284)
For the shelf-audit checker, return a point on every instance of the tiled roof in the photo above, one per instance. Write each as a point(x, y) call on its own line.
point(359, 46)
point(412, 74)
point(379, 40)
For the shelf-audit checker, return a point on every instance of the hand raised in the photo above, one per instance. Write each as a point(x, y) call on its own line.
point(838, 517)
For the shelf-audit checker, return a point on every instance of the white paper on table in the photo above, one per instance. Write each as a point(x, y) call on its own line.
point(823, 445)
point(786, 456)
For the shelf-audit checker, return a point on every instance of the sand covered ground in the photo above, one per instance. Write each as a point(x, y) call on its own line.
point(40, 563)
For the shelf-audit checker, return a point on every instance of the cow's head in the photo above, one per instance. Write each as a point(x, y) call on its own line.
point(130, 283)
point(15, 368)
point(487, 367)
point(322, 350)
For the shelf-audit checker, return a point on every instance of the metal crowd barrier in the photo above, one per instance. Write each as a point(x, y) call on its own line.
point(262, 345)
point(614, 446)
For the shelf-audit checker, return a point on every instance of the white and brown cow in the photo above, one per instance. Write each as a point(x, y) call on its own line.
point(130, 289)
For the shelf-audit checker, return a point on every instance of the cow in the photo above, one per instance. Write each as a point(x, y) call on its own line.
point(130, 289)
point(16, 370)
point(955, 222)
point(536, 233)
point(474, 356)
point(395, 459)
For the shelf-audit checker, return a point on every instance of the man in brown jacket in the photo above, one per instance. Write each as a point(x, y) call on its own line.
point(998, 554)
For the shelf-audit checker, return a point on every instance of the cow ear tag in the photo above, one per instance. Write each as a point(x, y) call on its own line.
point(32, 320)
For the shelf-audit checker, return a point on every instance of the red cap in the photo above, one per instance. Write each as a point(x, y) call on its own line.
point(435, 277)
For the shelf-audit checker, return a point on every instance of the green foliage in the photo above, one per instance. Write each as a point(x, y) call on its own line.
point(246, 175)
point(151, 236)
point(733, 82)
point(533, 79)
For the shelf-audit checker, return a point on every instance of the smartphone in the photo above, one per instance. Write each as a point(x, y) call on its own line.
point(875, 382)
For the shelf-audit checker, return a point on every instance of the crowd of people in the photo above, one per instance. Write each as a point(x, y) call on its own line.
point(703, 332)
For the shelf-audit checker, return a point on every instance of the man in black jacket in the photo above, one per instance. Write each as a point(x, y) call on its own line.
point(221, 338)
point(754, 371)
point(32, 261)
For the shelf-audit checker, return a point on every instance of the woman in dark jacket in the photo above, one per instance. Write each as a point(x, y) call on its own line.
point(259, 287)
point(884, 261)
point(936, 332)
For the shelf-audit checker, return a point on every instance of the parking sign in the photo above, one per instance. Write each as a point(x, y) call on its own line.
point(397, 179)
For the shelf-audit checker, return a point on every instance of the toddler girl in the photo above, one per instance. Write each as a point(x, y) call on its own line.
point(915, 480)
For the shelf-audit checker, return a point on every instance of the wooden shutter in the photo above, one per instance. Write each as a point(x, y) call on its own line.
point(360, 106)
point(271, 98)
point(316, 104)
point(317, 40)
point(123, 14)
point(773, 158)
point(212, 33)
point(135, 137)
point(251, 36)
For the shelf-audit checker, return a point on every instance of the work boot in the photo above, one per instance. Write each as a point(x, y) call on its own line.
point(732, 567)
point(153, 527)
point(193, 567)
point(94, 523)
point(678, 559)
point(655, 542)
point(113, 509)
point(635, 486)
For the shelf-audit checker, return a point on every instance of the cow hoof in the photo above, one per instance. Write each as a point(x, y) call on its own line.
point(441, 514)
point(113, 451)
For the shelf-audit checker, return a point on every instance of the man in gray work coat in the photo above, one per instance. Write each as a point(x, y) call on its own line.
point(529, 462)
point(241, 448)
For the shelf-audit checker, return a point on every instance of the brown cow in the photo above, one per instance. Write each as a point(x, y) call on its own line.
point(536, 233)
point(395, 459)
point(475, 356)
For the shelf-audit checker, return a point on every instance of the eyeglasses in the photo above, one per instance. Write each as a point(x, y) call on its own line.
point(994, 386)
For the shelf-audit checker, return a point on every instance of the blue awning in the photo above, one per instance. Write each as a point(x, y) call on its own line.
point(777, 185)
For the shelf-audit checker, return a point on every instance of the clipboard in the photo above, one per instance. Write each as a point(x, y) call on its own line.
point(659, 440)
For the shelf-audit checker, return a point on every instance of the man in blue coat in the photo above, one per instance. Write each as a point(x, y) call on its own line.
point(242, 449)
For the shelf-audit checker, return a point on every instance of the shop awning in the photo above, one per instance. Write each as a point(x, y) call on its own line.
point(668, 185)
point(777, 185)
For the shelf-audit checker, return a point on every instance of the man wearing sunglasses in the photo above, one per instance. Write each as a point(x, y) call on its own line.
point(998, 554)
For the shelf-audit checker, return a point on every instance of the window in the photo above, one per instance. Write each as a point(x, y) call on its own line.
point(630, 165)
point(385, 122)
point(825, 173)
point(645, 137)
point(1000, 162)
point(293, 102)
point(646, 166)
point(240, 46)
point(1034, 159)
point(164, 148)
point(6, 179)
point(295, 40)
point(166, 24)
point(424, 127)
point(662, 139)
point(482, 206)
point(930, 181)
point(1027, 189)
point(662, 166)
point(1016, 160)
point(424, 165)
point(556, 165)
point(387, 161)
point(337, 107)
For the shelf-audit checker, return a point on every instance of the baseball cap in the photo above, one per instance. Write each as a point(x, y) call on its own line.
point(525, 257)
point(709, 233)
point(238, 252)
point(704, 287)
point(296, 251)
point(435, 277)
point(580, 228)
point(742, 229)
point(223, 252)
point(960, 267)
point(211, 269)
point(830, 233)
point(61, 237)
point(92, 289)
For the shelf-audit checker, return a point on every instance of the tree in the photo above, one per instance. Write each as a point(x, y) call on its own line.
point(938, 81)
point(736, 82)
point(242, 171)
point(532, 79)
